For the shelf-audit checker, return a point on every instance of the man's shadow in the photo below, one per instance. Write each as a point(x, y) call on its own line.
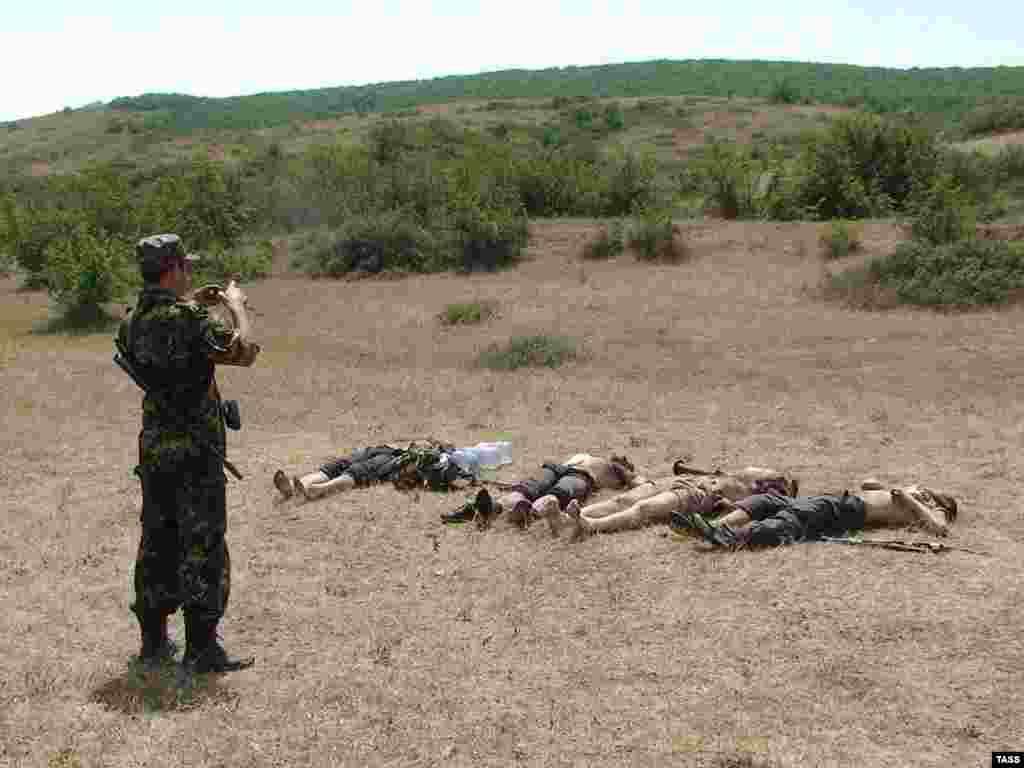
point(140, 691)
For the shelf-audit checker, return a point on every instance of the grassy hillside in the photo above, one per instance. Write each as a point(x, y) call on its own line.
point(685, 101)
point(951, 92)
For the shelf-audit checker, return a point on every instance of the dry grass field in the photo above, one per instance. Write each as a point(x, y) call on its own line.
point(384, 638)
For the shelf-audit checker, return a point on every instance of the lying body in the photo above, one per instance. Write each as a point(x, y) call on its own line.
point(772, 519)
point(655, 501)
point(556, 485)
point(358, 469)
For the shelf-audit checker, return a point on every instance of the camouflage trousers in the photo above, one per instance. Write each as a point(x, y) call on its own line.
point(183, 557)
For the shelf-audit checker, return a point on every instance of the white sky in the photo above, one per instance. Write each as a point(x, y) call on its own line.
point(52, 54)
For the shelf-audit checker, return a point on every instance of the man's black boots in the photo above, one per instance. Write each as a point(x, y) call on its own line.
point(157, 647)
point(203, 654)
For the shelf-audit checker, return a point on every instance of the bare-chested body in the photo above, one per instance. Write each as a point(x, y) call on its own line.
point(771, 519)
point(601, 473)
point(654, 501)
point(894, 508)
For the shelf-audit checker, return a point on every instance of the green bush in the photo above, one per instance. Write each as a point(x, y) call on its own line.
point(583, 118)
point(611, 242)
point(389, 140)
point(528, 351)
point(737, 183)
point(942, 212)
point(489, 237)
point(248, 261)
point(201, 201)
point(784, 92)
point(995, 118)
point(552, 137)
point(963, 274)
point(470, 313)
point(653, 236)
point(559, 184)
point(631, 183)
point(87, 270)
point(340, 181)
point(28, 232)
point(865, 166)
point(613, 118)
point(966, 273)
point(1008, 165)
point(392, 240)
point(839, 239)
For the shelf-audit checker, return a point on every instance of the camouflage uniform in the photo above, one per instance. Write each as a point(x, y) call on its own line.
point(183, 558)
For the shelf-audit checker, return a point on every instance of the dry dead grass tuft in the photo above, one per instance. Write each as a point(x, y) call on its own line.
point(383, 638)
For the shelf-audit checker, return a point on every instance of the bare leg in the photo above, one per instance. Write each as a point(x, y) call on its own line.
point(619, 503)
point(316, 484)
point(656, 509)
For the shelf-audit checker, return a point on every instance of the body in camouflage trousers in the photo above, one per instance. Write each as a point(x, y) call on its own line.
point(183, 558)
point(171, 347)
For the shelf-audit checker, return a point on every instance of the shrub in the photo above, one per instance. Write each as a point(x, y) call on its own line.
point(942, 212)
point(613, 118)
point(964, 274)
point(468, 313)
point(611, 242)
point(631, 183)
point(202, 202)
point(28, 231)
point(7, 264)
point(784, 92)
point(742, 183)
point(389, 140)
point(528, 351)
point(85, 271)
point(995, 118)
point(559, 184)
point(552, 137)
point(392, 240)
point(1008, 165)
point(865, 166)
point(653, 236)
point(839, 239)
point(248, 261)
point(724, 180)
point(489, 237)
point(584, 118)
point(961, 274)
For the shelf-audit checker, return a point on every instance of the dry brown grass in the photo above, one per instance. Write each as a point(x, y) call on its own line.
point(384, 639)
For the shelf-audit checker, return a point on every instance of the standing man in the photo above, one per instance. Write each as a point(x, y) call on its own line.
point(172, 346)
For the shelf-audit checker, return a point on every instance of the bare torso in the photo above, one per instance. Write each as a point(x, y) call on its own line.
point(883, 508)
point(600, 469)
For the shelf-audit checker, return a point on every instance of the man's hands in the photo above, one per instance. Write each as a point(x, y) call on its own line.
point(233, 294)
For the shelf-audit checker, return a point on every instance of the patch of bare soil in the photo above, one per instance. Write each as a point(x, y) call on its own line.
point(383, 638)
point(741, 125)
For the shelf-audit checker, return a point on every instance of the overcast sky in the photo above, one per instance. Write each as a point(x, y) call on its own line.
point(55, 54)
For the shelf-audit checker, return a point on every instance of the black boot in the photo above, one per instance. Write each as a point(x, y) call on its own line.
point(203, 654)
point(157, 647)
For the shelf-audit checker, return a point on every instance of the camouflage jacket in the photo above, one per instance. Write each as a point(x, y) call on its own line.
point(168, 342)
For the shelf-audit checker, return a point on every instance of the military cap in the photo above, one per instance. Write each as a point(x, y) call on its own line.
point(158, 251)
